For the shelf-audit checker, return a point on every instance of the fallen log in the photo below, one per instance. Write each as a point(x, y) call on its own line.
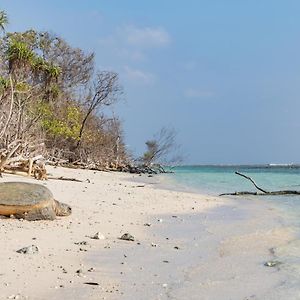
point(262, 191)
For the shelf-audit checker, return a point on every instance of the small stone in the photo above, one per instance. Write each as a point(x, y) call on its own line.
point(29, 250)
point(165, 285)
point(272, 263)
point(98, 236)
point(147, 224)
point(127, 237)
point(79, 272)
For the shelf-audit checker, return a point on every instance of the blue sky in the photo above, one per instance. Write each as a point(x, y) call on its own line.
point(224, 74)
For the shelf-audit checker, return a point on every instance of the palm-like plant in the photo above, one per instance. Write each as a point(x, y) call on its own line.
point(3, 20)
point(19, 54)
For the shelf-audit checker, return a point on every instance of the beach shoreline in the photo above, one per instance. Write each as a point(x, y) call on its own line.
point(186, 245)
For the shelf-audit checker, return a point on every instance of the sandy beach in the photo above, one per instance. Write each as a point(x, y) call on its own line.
point(186, 246)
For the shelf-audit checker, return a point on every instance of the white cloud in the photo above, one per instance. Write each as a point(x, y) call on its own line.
point(146, 37)
point(132, 42)
point(198, 93)
point(138, 76)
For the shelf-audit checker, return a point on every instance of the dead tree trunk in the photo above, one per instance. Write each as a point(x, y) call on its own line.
point(262, 191)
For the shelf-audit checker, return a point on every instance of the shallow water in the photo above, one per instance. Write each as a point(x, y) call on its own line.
point(214, 180)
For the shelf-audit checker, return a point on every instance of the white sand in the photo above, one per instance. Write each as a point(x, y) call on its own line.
point(197, 247)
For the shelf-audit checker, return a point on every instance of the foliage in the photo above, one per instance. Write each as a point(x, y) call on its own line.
point(50, 94)
point(162, 149)
point(3, 20)
point(67, 127)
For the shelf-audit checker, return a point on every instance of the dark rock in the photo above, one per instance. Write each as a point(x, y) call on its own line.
point(29, 250)
point(127, 237)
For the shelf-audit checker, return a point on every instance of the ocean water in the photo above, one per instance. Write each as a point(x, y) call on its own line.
point(222, 179)
point(214, 180)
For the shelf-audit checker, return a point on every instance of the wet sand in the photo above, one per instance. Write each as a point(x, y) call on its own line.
point(187, 246)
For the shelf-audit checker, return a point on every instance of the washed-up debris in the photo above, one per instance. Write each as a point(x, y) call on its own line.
point(127, 237)
point(81, 243)
point(91, 283)
point(29, 250)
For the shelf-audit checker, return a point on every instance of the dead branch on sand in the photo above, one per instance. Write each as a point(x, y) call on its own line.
point(262, 191)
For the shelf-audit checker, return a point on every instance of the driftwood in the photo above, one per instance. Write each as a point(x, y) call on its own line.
point(262, 191)
point(64, 178)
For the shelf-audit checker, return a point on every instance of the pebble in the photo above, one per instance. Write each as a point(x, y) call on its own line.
point(29, 250)
point(272, 263)
point(127, 237)
point(79, 272)
point(98, 236)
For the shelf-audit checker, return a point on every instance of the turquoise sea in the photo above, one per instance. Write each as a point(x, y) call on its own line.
point(214, 180)
point(221, 179)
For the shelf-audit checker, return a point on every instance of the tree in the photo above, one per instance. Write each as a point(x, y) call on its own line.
point(103, 93)
point(50, 95)
point(161, 149)
point(3, 20)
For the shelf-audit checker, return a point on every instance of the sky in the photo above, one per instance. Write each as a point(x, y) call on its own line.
point(224, 74)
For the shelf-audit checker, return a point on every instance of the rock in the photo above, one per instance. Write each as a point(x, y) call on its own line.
point(91, 270)
point(79, 272)
point(29, 250)
point(127, 237)
point(98, 236)
point(272, 263)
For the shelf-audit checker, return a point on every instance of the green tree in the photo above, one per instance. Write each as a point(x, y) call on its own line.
point(3, 20)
